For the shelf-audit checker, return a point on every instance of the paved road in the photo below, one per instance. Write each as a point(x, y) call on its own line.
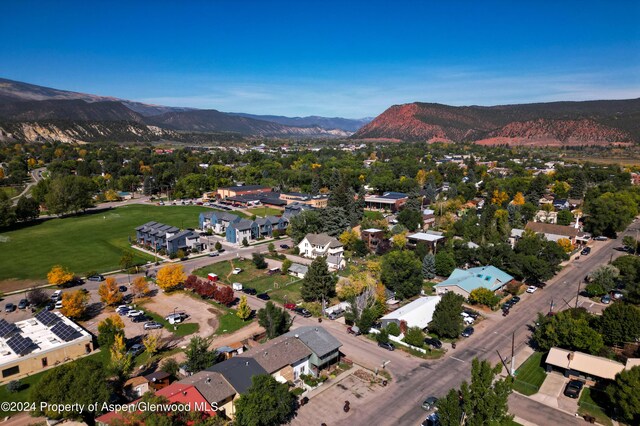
point(400, 403)
point(36, 176)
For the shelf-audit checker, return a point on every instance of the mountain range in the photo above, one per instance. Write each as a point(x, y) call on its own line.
point(34, 112)
point(30, 112)
point(555, 123)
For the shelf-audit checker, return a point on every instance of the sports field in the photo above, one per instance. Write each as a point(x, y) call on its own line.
point(93, 241)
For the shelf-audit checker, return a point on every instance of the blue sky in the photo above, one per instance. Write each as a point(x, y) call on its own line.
point(331, 58)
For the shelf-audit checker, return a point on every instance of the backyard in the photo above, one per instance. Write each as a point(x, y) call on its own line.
point(264, 211)
point(279, 287)
point(530, 375)
point(93, 241)
point(591, 403)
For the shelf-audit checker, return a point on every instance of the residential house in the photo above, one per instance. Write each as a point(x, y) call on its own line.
point(546, 217)
point(155, 234)
point(238, 371)
point(265, 226)
point(218, 222)
point(231, 350)
point(546, 199)
point(585, 367)
point(295, 209)
point(237, 232)
point(428, 218)
point(216, 390)
point(431, 238)
point(418, 313)
point(314, 245)
point(278, 223)
point(464, 281)
point(372, 238)
point(298, 270)
point(561, 204)
point(389, 201)
point(185, 240)
point(555, 232)
point(325, 349)
point(285, 358)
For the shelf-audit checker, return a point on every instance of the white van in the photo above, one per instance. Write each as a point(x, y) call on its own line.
point(237, 286)
point(57, 295)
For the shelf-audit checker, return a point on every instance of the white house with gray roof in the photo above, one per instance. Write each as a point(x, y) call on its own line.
point(314, 245)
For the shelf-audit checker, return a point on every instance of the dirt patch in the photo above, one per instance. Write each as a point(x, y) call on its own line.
point(199, 311)
point(7, 286)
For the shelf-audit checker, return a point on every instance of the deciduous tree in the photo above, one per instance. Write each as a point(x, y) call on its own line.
point(414, 336)
point(139, 287)
point(109, 292)
point(445, 263)
point(224, 295)
point(170, 276)
point(402, 273)
point(620, 323)
point(484, 401)
point(151, 343)
point(27, 209)
point(59, 275)
point(258, 261)
point(244, 310)
point(74, 304)
point(275, 321)
point(199, 357)
point(483, 296)
point(108, 329)
point(624, 395)
point(265, 403)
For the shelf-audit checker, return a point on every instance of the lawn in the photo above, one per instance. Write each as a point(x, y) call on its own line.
point(230, 322)
point(373, 215)
point(264, 211)
point(589, 406)
point(530, 375)
point(93, 241)
point(249, 277)
point(287, 294)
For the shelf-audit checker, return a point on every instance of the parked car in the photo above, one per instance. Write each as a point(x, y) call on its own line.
point(9, 307)
point(135, 350)
point(605, 299)
point(290, 306)
point(23, 304)
point(221, 250)
point(97, 278)
point(585, 251)
point(467, 319)
point(236, 271)
point(515, 299)
point(531, 289)
point(122, 288)
point(387, 345)
point(429, 403)
point(601, 238)
point(56, 295)
point(176, 318)
point(432, 420)
point(303, 312)
point(139, 318)
point(617, 295)
point(284, 246)
point(336, 314)
point(573, 388)
point(214, 254)
point(467, 332)
point(134, 313)
point(263, 296)
point(237, 286)
point(58, 304)
point(472, 314)
point(50, 306)
point(354, 330)
point(250, 290)
point(433, 342)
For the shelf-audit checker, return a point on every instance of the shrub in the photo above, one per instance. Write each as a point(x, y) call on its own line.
point(414, 336)
point(513, 287)
point(383, 336)
point(483, 296)
point(393, 329)
point(15, 386)
point(245, 243)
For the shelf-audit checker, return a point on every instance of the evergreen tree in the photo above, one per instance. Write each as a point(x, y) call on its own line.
point(447, 321)
point(430, 192)
point(318, 282)
point(198, 354)
point(429, 267)
point(315, 184)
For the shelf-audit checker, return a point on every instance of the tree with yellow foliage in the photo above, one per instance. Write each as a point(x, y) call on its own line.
point(565, 244)
point(399, 241)
point(499, 197)
point(244, 310)
point(170, 277)
point(74, 304)
point(109, 292)
point(111, 195)
point(59, 275)
point(139, 287)
point(421, 177)
point(31, 162)
point(1, 173)
point(120, 360)
point(151, 343)
point(348, 238)
point(518, 199)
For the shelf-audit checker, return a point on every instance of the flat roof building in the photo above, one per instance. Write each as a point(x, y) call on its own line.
point(390, 201)
point(418, 313)
point(35, 344)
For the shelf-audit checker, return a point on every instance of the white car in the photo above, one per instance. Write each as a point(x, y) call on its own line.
point(135, 313)
point(236, 271)
point(532, 289)
point(58, 304)
point(466, 318)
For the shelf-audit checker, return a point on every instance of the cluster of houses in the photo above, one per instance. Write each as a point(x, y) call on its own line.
point(252, 195)
point(166, 238)
point(304, 351)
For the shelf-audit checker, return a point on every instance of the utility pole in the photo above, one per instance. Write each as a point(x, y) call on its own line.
point(578, 294)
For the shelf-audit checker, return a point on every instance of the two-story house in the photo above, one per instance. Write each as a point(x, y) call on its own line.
point(314, 245)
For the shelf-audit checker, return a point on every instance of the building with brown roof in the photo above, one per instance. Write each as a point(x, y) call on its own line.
point(285, 358)
point(554, 232)
point(216, 390)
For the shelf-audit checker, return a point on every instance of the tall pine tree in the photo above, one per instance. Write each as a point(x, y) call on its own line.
point(318, 282)
point(429, 267)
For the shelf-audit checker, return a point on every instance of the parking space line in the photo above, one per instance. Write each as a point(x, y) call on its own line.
point(458, 359)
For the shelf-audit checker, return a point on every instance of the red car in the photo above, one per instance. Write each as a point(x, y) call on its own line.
point(290, 306)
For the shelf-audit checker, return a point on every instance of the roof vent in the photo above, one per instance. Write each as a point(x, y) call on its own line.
point(296, 336)
point(208, 379)
point(246, 363)
point(316, 328)
point(184, 393)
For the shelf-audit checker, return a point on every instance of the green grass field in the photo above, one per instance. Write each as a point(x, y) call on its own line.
point(230, 322)
point(182, 329)
point(280, 287)
point(530, 375)
point(83, 243)
point(591, 403)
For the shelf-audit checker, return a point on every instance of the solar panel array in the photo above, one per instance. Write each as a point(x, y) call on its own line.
point(65, 332)
point(47, 318)
point(7, 328)
point(21, 345)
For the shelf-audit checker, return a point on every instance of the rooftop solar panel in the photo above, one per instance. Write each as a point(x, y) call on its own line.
point(7, 328)
point(65, 332)
point(47, 318)
point(21, 345)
